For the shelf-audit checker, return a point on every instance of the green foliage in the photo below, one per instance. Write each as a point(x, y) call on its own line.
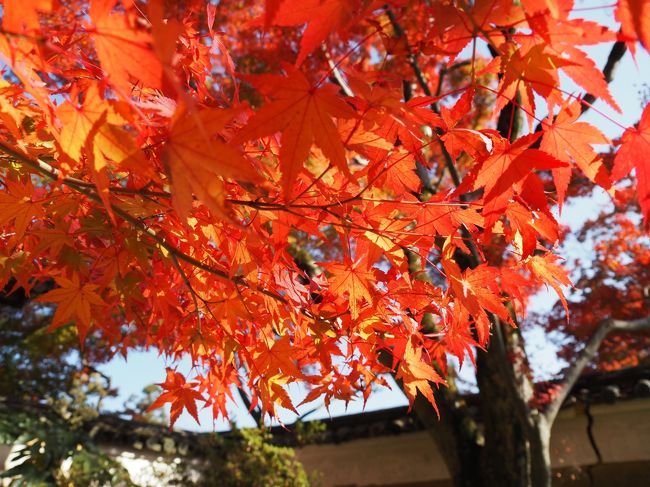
point(55, 447)
point(33, 361)
point(308, 432)
point(244, 458)
point(52, 451)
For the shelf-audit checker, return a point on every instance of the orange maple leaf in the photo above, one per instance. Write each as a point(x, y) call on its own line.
point(529, 70)
point(218, 388)
point(587, 74)
point(180, 394)
point(95, 126)
point(124, 52)
point(198, 161)
point(462, 139)
point(17, 205)
point(529, 225)
point(434, 216)
point(303, 113)
point(545, 268)
point(278, 358)
point(394, 119)
point(22, 15)
point(475, 290)
point(417, 375)
point(74, 301)
point(271, 390)
point(561, 34)
point(354, 279)
point(78, 121)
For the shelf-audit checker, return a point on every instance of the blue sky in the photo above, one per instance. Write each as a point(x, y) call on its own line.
point(631, 79)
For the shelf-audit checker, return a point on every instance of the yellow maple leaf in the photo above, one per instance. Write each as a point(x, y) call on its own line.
point(353, 279)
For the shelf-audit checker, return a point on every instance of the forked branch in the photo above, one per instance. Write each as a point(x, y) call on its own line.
point(587, 355)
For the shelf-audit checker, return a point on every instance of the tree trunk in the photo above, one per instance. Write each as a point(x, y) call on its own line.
point(515, 447)
point(516, 450)
point(541, 473)
point(505, 456)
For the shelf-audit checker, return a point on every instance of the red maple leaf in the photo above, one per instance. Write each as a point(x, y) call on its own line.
point(304, 113)
point(503, 173)
point(633, 154)
point(322, 17)
point(181, 394)
point(571, 141)
point(634, 16)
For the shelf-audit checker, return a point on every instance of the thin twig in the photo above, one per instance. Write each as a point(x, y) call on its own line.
point(189, 287)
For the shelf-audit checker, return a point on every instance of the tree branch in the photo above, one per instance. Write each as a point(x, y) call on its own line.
point(424, 86)
point(254, 412)
point(587, 354)
point(336, 73)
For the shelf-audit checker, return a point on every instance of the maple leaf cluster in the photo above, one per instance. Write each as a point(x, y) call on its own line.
point(288, 191)
point(612, 282)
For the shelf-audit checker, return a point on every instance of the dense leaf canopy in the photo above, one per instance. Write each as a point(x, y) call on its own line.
point(262, 187)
